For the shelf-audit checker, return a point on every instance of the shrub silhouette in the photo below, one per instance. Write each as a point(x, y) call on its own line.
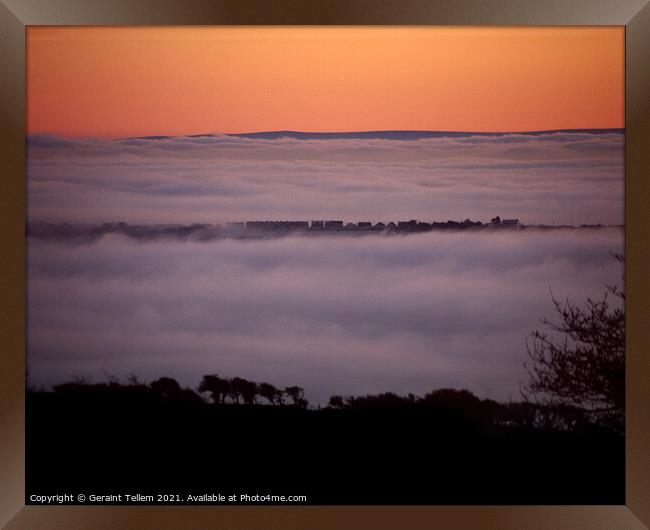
point(579, 360)
point(456, 410)
point(166, 387)
point(384, 401)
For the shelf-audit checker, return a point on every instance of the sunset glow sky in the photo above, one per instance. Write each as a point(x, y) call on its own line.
point(114, 82)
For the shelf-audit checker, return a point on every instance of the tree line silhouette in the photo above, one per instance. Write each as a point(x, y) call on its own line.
point(220, 389)
point(446, 405)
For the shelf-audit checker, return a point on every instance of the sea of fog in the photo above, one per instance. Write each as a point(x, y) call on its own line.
point(551, 178)
point(334, 315)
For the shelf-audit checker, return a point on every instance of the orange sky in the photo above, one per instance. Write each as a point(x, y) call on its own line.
point(181, 80)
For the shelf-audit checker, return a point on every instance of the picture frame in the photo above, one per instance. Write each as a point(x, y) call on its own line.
point(15, 15)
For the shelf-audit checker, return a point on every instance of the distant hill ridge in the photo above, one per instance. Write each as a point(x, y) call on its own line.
point(379, 135)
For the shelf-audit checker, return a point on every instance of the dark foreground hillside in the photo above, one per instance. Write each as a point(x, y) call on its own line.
point(381, 452)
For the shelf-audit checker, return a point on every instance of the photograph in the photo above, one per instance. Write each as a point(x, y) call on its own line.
point(325, 265)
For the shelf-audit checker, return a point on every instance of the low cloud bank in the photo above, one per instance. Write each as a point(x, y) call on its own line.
point(335, 315)
point(554, 178)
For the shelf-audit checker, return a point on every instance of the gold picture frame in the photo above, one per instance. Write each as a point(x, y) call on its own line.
point(15, 15)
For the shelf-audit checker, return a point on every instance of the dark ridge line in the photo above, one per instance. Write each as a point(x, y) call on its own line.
point(407, 134)
point(389, 134)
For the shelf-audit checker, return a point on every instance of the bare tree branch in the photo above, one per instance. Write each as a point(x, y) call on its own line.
point(578, 358)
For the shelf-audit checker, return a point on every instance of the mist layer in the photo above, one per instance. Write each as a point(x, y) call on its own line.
point(554, 178)
point(334, 315)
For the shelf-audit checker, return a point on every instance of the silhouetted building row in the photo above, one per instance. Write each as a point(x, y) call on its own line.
point(497, 222)
point(257, 229)
point(412, 225)
point(277, 225)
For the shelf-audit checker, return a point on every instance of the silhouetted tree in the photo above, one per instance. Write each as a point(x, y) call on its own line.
point(235, 389)
point(248, 391)
point(243, 388)
point(296, 395)
point(580, 360)
point(452, 397)
point(458, 404)
point(217, 387)
point(336, 402)
point(270, 393)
